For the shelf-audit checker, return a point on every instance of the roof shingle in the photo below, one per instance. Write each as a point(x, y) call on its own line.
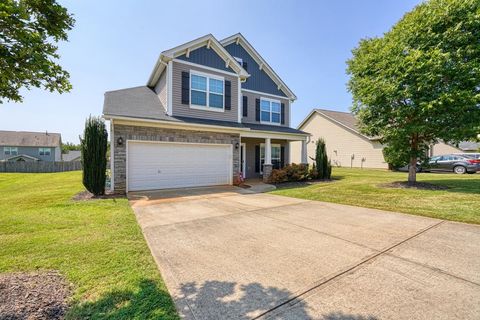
point(29, 139)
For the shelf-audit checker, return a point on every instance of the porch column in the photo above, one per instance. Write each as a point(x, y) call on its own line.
point(304, 152)
point(268, 151)
point(267, 165)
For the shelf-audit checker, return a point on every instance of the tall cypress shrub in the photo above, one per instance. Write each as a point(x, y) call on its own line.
point(322, 163)
point(94, 155)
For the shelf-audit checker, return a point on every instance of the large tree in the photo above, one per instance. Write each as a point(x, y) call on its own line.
point(420, 82)
point(29, 30)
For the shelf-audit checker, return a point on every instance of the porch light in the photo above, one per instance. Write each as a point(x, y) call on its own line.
point(120, 141)
point(237, 145)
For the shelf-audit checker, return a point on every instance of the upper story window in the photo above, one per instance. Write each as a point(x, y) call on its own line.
point(206, 91)
point(44, 151)
point(10, 151)
point(270, 111)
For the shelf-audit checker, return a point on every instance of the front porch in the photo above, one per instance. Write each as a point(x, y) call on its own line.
point(259, 156)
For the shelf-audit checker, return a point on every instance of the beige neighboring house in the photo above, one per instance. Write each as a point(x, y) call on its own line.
point(346, 146)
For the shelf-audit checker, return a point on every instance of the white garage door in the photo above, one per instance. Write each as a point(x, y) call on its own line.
point(177, 165)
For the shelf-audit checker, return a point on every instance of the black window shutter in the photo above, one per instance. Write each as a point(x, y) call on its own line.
point(282, 116)
point(245, 106)
point(257, 158)
point(257, 109)
point(185, 87)
point(282, 156)
point(245, 66)
point(228, 95)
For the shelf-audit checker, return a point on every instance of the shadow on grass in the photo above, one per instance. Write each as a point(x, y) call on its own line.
point(305, 184)
point(471, 186)
point(149, 302)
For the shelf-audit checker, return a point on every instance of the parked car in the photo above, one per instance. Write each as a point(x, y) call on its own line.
point(469, 155)
point(453, 163)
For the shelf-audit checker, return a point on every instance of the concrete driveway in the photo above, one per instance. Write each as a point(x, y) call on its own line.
point(227, 253)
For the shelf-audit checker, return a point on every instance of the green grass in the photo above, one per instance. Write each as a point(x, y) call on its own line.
point(361, 188)
point(97, 245)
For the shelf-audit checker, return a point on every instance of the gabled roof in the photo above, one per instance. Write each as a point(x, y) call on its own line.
point(72, 155)
point(21, 156)
point(469, 146)
point(29, 139)
point(240, 39)
point(344, 119)
point(208, 40)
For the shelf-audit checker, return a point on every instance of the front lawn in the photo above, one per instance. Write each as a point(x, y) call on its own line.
point(360, 187)
point(97, 245)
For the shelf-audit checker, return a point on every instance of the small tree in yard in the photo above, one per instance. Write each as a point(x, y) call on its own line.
point(94, 155)
point(322, 164)
point(420, 82)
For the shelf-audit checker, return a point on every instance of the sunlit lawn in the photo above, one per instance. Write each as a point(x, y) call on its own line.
point(360, 187)
point(97, 245)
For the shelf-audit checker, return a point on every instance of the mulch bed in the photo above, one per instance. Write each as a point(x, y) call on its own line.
point(418, 186)
point(33, 296)
point(285, 185)
point(86, 195)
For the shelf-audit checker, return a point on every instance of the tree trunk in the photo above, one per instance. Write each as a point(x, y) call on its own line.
point(412, 171)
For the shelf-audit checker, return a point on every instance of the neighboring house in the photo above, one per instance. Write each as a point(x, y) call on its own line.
point(72, 155)
point(211, 110)
point(30, 146)
point(346, 146)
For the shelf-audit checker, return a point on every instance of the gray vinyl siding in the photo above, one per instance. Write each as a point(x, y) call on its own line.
point(206, 57)
point(161, 89)
point(184, 110)
point(258, 80)
point(31, 151)
point(250, 144)
point(250, 118)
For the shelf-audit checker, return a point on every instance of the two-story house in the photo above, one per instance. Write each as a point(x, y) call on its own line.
point(30, 146)
point(210, 112)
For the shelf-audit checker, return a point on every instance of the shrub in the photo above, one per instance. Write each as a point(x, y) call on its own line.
point(94, 155)
point(313, 173)
point(289, 173)
point(323, 165)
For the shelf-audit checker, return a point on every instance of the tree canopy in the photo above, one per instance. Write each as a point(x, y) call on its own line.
point(29, 30)
point(420, 82)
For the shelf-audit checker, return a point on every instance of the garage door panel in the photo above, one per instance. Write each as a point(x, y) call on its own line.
point(172, 165)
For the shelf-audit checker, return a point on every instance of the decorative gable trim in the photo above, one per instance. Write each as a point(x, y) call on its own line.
point(210, 42)
point(239, 39)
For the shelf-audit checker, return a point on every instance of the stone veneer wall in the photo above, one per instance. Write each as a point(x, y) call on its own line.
point(128, 132)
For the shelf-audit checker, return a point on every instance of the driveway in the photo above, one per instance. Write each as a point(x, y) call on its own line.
point(228, 253)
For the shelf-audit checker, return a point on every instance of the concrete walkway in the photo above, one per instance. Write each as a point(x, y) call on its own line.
point(229, 253)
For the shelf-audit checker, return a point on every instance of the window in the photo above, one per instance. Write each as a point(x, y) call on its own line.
point(276, 156)
point(206, 92)
point(10, 151)
point(44, 151)
point(270, 111)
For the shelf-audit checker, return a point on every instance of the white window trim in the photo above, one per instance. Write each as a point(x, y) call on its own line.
point(208, 76)
point(272, 145)
point(43, 149)
point(10, 150)
point(279, 123)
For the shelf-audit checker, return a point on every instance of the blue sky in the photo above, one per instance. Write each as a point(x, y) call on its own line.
point(115, 44)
